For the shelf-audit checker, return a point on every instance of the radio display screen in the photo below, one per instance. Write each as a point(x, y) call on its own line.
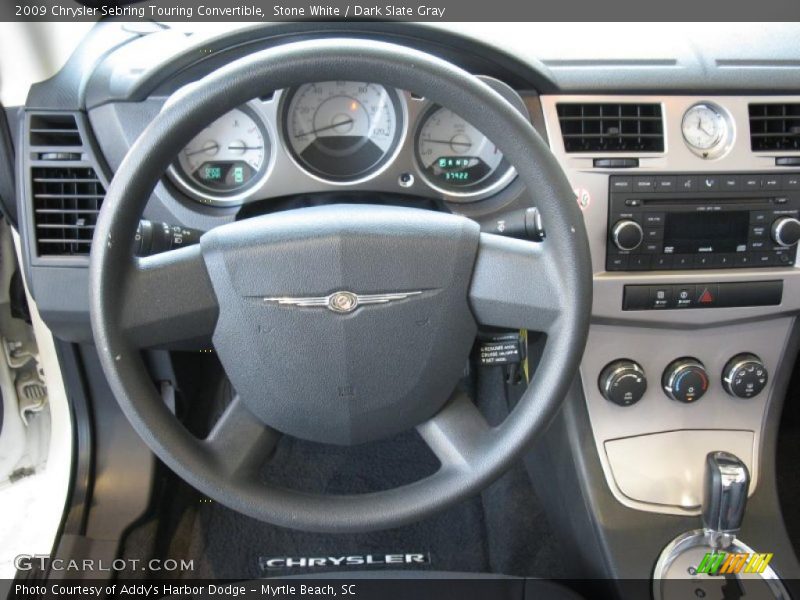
point(693, 232)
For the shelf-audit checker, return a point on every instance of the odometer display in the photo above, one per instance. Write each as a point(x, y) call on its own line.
point(457, 158)
point(226, 158)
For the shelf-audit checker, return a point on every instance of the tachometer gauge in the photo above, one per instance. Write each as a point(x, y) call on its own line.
point(456, 158)
point(226, 158)
point(342, 130)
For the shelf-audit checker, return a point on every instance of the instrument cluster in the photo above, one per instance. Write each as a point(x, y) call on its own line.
point(322, 136)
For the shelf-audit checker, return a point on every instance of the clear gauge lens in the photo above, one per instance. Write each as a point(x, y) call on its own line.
point(456, 157)
point(227, 156)
point(703, 127)
point(342, 130)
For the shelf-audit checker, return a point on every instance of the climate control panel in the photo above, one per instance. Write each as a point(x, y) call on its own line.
point(685, 379)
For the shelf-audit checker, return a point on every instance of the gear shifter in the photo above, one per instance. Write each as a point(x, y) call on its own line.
point(725, 487)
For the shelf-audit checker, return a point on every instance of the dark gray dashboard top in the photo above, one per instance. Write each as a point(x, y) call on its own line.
point(130, 62)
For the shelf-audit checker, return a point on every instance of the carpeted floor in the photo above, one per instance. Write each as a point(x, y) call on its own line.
point(503, 530)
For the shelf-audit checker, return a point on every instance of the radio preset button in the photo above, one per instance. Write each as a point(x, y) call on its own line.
point(639, 262)
point(663, 261)
point(743, 260)
point(683, 261)
point(703, 261)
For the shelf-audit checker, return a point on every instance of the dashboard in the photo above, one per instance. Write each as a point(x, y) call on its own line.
point(691, 202)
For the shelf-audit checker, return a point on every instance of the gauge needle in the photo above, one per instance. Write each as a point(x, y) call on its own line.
point(449, 143)
point(212, 146)
point(243, 147)
point(339, 124)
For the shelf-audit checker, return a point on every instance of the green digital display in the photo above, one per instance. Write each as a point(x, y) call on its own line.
point(225, 175)
point(459, 171)
point(212, 173)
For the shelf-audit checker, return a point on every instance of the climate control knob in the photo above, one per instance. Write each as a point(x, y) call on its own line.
point(627, 234)
point(744, 376)
point(623, 382)
point(685, 380)
point(786, 231)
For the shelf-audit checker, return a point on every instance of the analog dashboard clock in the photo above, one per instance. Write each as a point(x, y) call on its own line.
point(706, 130)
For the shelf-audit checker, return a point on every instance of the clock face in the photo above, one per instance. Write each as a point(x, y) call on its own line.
point(703, 127)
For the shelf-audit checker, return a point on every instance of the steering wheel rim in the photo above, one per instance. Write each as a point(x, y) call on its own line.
point(545, 287)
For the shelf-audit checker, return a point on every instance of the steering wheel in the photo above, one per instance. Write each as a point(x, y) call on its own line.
point(340, 324)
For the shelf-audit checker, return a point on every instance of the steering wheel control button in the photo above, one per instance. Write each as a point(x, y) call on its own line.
point(627, 234)
point(744, 376)
point(685, 380)
point(623, 382)
point(786, 232)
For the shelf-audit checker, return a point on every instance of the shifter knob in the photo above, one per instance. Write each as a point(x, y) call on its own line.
point(724, 497)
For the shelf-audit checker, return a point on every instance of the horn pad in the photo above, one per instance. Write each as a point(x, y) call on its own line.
point(344, 324)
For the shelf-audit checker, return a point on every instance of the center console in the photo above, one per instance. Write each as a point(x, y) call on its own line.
point(696, 292)
point(695, 288)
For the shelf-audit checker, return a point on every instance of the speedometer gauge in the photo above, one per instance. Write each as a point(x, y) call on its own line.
point(226, 158)
point(342, 130)
point(456, 158)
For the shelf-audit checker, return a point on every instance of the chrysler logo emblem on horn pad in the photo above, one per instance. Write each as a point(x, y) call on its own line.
point(342, 302)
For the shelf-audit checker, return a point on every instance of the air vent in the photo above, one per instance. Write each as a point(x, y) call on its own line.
point(774, 127)
point(611, 127)
point(66, 201)
point(54, 130)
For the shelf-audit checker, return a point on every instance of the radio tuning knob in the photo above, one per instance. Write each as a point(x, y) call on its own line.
point(622, 382)
point(685, 380)
point(744, 376)
point(786, 231)
point(627, 234)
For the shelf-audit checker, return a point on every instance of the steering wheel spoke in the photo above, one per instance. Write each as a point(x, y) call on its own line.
point(239, 442)
point(169, 301)
point(456, 434)
point(516, 284)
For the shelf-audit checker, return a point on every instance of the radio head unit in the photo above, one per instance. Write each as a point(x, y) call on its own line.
point(667, 222)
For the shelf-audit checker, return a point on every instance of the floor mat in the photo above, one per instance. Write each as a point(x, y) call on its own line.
point(502, 530)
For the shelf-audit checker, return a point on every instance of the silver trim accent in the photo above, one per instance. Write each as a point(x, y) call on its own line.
point(776, 230)
point(618, 226)
point(341, 302)
point(685, 364)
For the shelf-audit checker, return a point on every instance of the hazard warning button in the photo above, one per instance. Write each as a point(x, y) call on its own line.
point(706, 295)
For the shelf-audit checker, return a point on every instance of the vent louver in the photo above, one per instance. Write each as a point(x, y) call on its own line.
point(54, 130)
point(66, 201)
point(774, 127)
point(611, 127)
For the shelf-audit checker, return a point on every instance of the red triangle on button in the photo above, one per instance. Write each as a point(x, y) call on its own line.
point(705, 297)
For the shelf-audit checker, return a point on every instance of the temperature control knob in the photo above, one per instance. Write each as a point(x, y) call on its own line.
point(685, 380)
point(623, 382)
point(627, 234)
point(744, 376)
point(786, 231)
